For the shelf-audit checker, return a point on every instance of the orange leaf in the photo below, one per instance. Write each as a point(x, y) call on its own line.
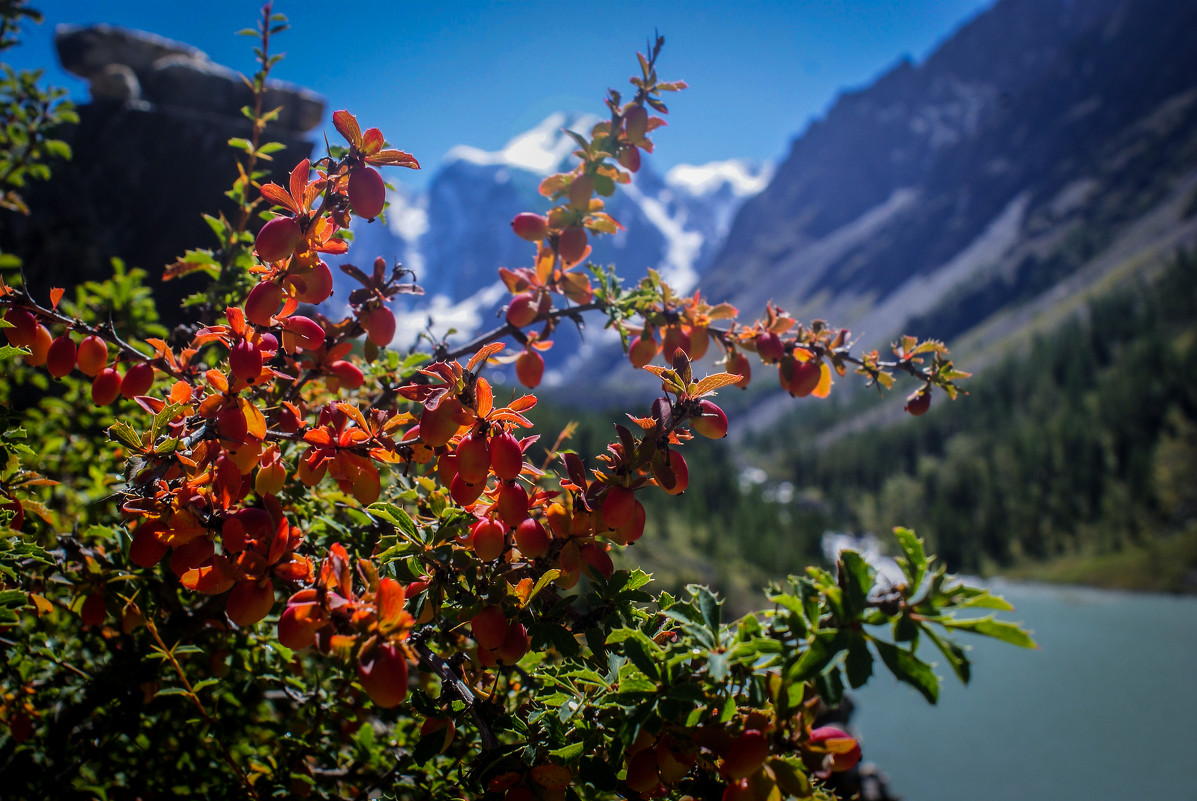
point(484, 353)
point(346, 125)
point(279, 197)
point(390, 601)
point(372, 142)
point(523, 403)
point(485, 397)
point(55, 296)
point(714, 382)
point(823, 389)
point(299, 180)
point(394, 158)
point(255, 422)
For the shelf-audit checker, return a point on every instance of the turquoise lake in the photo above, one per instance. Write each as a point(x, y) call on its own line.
point(1105, 709)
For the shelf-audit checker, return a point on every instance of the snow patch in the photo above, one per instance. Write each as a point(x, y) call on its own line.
point(466, 316)
point(741, 177)
point(540, 150)
point(682, 247)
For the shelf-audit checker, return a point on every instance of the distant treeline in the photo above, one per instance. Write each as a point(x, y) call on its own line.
point(1083, 444)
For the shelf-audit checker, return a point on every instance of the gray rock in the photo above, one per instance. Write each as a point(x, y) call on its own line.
point(86, 50)
point(127, 66)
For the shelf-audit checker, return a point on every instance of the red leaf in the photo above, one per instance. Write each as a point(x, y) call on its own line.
point(346, 125)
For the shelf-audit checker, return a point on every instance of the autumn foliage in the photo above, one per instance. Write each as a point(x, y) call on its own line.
point(306, 561)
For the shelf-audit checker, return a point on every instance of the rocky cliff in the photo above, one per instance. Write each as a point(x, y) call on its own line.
point(1047, 141)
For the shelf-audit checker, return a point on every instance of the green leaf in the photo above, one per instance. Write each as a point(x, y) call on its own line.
point(909, 669)
point(855, 579)
point(395, 516)
point(914, 561)
point(826, 646)
point(644, 653)
point(859, 664)
point(998, 629)
point(569, 753)
point(954, 653)
point(978, 598)
point(710, 606)
point(126, 434)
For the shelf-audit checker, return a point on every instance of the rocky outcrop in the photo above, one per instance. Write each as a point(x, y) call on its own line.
point(151, 157)
point(141, 68)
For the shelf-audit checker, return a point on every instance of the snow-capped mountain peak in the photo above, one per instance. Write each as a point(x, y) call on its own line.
point(540, 150)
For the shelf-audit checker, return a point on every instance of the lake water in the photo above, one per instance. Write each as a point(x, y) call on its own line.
point(1106, 709)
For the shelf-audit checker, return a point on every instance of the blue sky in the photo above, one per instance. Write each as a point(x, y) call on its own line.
point(434, 75)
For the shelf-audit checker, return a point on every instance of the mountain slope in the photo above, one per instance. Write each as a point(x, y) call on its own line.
point(1022, 150)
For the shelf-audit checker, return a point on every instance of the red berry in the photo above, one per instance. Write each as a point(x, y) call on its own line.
point(919, 402)
point(629, 157)
point(597, 560)
point(643, 774)
point(263, 301)
point(383, 674)
point(347, 373)
point(738, 365)
point(489, 627)
point(249, 602)
point(487, 538)
point(92, 355)
point(506, 456)
point(512, 505)
point(840, 760)
point(769, 347)
point(473, 457)
point(532, 539)
point(633, 529)
point(105, 387)
point(523, 309)
point(514, 645)
point(437, 426)
point(675, 339)
point(367, 192)
point(138, 380)
point(40, 347)
point(710, 421)
point(529, 368)
point(673, 476)
point(530, 226)
point(635, 123)
point(24, 329)
point(94, 609)
point(464, 492)
point(618, 506)
point(314, 286)
point(380, 326)
point(800, 378)
point(745, 755)
point(571, 245)
point(642, 350)
point(301, 332)
point(231, 424)
point(60, 357)
point(277, 239)
point(245, 360)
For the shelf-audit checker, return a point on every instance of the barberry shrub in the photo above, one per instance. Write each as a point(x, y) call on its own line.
point(273, 555)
